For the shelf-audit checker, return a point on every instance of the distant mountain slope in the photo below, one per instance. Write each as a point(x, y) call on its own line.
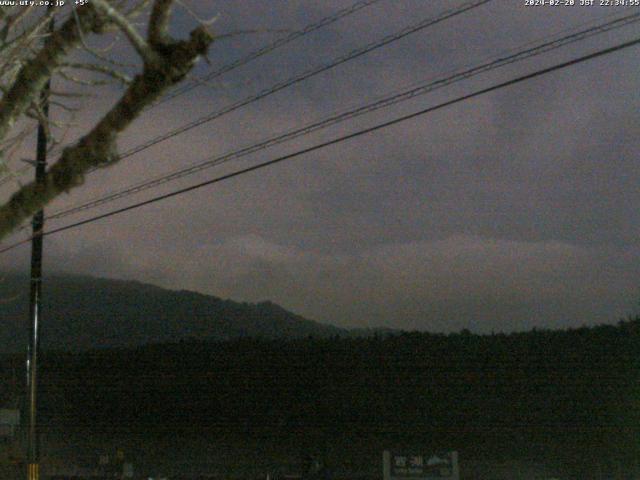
point(84, 312)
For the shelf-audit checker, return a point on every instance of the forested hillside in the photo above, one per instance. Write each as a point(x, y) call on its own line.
point(81, 313)
point(551, 393)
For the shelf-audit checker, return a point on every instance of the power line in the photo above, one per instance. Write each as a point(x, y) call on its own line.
point(357, 6)
point(337, 140)
point(272, 46)
point(426, 23)
point(338, 118)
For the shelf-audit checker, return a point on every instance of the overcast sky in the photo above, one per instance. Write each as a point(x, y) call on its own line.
point(513, 210)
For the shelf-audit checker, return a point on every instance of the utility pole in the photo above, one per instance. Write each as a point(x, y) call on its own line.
point(33, 444)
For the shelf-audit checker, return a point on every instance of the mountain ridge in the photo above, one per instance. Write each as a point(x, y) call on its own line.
point(84, 312)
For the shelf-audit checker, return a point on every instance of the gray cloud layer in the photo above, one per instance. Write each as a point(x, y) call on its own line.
point(513, 210)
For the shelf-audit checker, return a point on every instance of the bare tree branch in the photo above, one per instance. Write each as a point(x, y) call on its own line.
point(159, 22)
point(98, 147)
point(139, 43)
point(102, 70)
point(33, 76)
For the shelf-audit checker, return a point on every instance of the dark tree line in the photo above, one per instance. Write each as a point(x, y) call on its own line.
point(572, 392)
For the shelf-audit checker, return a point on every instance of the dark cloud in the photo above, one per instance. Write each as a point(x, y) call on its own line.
point(508, 211)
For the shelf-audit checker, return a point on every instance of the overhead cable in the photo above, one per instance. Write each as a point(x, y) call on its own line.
point(335, 141)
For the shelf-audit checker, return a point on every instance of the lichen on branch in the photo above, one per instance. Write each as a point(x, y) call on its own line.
point(167, 63)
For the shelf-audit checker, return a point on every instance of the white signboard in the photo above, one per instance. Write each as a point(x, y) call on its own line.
point(420, 465)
